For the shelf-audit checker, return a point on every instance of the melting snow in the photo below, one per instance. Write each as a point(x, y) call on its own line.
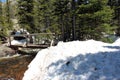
point(77, 60)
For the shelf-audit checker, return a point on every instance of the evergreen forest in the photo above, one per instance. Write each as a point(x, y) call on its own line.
point(68, 19)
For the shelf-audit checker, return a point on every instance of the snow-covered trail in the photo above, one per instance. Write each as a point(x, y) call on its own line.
point(77, 60)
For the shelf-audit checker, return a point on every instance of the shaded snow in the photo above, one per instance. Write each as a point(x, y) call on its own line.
point(77, 60)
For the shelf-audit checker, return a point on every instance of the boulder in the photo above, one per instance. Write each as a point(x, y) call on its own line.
point(6, 51)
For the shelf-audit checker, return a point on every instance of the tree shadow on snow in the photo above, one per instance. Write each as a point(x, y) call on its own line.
point(112, 47)
point(99, 66)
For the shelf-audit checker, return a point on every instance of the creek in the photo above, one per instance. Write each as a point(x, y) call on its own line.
point(13, 68)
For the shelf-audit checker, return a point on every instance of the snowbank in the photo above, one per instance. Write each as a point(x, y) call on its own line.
point(77, 60)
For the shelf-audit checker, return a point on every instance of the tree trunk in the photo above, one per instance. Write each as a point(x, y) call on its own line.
point(73, 20)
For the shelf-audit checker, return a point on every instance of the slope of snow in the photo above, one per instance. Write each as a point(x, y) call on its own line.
point(77, 60)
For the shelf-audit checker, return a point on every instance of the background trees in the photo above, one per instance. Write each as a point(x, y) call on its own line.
point(72, 19)
point(0, 13)
point(93, 19)
point(62, 11)
point(5, 21)
point(42, 15)
point(25, 14)
point(8, 15)
point(86, 19)
point(115, 5)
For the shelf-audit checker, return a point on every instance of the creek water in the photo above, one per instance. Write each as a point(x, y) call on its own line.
point(13, 68)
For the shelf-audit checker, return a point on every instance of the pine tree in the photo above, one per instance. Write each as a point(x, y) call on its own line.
point(43, 18)
point(63, 13)
point(25, 14)
point(3, 28)
point(0, 12)
point(8, 21)
point(115, 4)
point(94, 19)
point(40, 9)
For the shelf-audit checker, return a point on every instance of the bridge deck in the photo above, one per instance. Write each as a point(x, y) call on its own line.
point(42, 46)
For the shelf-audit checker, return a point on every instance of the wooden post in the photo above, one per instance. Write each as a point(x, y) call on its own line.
point(26, 40)
point(51, 44)
point(9, 40)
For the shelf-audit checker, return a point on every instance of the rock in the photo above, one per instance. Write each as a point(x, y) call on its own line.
point(6, 51)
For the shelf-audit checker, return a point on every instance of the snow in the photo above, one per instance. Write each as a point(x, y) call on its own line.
point(18, 42)
point(21, 41)
point(76, 60)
